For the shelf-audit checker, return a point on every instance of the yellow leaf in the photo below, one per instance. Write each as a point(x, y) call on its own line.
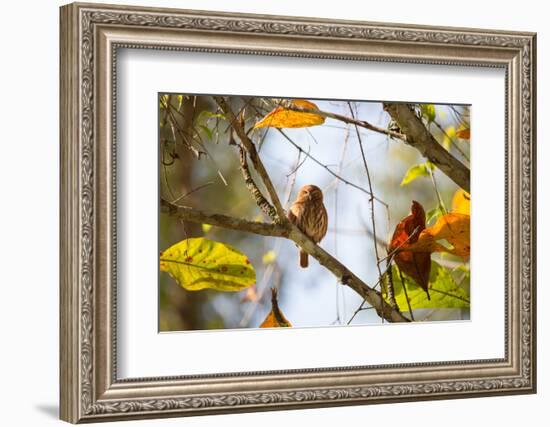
point(463, 133)
point(275, 318)
point(461, 202)
point(269, 257)
point(414, 172)
point(200, 263)
point(450, 134)
point(450, 131)
point(452, 228)
point(163, 101)
point(282, 117)
point(206, 228)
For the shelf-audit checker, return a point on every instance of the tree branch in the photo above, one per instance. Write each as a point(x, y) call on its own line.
point(253, 188)
point(349, 121)
point(194, 215)
point(420, 138)
point(293, 233)
point(254, 157)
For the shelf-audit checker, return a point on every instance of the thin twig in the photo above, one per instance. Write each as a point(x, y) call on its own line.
point(335, 215)
point(438, 194)
point(397, 248)
point(300, 163)
point(406, 293)
point(371, 198)
point(453, 143)
point(450, 295)
point(350, 121)
point(185, 136)
point(200, 187)
point(365, 301)
point(371, 191)
point(389, 258)
point(334, 174)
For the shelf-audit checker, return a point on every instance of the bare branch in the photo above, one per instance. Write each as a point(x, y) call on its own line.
point(254, 157)
point(420, 138)
point(193, 215)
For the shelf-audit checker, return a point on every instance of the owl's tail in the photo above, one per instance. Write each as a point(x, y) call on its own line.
point(303, 259)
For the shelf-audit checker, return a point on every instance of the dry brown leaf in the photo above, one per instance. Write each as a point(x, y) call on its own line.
point(275, 318)
point(415, 264)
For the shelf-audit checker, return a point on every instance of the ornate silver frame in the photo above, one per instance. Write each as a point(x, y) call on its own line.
point(90, 36)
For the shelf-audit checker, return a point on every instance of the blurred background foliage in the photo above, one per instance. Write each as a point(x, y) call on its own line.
point(199, 167)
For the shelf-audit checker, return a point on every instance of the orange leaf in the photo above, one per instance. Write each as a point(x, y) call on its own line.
point(461, 202)
point(463, 133)
point(282, 117)
point(250, 294)
point(415, 264)
point(275, 318)
point(452, 227)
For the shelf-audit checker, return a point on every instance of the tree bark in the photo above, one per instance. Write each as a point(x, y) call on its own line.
point(420, 138)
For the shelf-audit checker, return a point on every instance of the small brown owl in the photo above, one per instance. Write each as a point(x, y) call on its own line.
point(309, 214)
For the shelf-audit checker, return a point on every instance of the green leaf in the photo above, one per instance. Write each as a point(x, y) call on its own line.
point(444, 291)
point(207, 131)
point(414, 172)
point(434, 214)
point(462, 275)
point(205, 115)
point(200, 263)
point(428, 111)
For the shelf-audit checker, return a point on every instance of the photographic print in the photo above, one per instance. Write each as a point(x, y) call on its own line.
point(311, 229)
point(378, 191)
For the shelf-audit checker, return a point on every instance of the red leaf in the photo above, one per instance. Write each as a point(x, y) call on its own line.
point(416, 265)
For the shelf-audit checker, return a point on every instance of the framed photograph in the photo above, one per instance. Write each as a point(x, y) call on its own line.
point(267, 212)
